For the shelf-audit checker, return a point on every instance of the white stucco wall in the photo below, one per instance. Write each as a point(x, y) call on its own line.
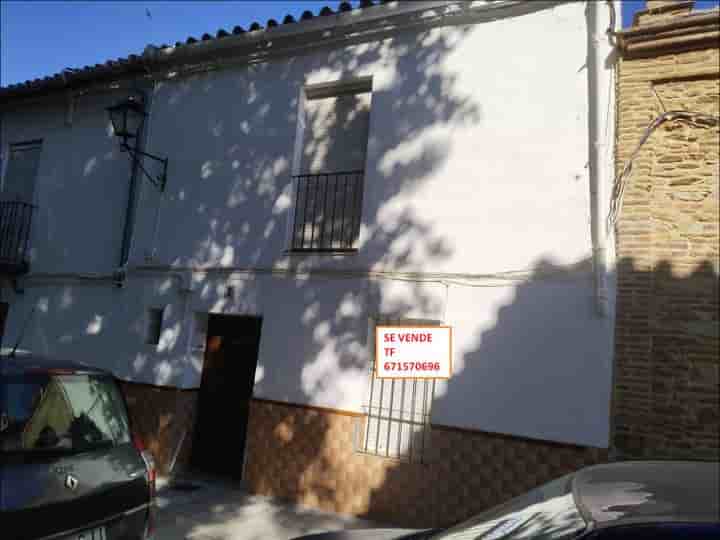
point(82, 185)
point(454, 121)
point(476, 164)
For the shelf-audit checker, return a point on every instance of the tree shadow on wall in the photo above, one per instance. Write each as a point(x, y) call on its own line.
point(465, 472)
point(666, 399)
point(665, 403)
point(230, 197)
point(244, 197)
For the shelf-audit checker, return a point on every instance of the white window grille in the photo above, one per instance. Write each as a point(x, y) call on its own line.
point(398, 410)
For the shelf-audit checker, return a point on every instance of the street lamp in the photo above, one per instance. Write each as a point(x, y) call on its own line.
point(127, 118)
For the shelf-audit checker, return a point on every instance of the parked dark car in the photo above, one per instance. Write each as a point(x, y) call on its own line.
point(661, 500)
point(69, 467)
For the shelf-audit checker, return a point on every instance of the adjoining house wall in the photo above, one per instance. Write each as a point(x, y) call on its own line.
point(81, 188)
point(666, 392)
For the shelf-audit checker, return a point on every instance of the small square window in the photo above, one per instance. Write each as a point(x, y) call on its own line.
point(154, 326)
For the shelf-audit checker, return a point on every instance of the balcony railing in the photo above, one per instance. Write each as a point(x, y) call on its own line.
point(328, 208)
point(15, 223)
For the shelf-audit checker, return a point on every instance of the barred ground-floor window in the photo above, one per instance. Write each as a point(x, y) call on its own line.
point(397, 422)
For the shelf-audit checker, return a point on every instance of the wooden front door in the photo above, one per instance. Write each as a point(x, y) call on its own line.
point(226, 387)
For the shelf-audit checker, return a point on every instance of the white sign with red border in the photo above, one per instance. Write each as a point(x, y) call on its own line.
point(413, 352)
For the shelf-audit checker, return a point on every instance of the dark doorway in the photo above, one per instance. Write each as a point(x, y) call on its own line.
point(4, 307)
point(226, 386)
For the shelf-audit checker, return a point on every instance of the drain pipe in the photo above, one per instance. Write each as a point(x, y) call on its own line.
point(135, 190)
point(186, 292)
point(131, 207)
point(598, 51)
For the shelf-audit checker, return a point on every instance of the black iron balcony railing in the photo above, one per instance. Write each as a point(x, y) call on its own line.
point(15, 223)
point(328, 208)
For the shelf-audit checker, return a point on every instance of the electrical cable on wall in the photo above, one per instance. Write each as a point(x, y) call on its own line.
point(497, 279)
point(494, 280)
point(695, 118)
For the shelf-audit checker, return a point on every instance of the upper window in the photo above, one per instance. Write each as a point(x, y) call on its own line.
point(329, 186)
point(21, 171)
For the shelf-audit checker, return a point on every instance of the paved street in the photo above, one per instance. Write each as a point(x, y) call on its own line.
point(205, 509)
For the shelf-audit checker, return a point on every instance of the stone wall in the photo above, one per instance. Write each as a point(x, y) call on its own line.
point(309, 456)
point(666, 398)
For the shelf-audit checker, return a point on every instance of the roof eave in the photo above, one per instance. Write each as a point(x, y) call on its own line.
point(698, 30)
point(317, 31)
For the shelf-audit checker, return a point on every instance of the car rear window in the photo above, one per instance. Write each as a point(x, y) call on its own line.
point(67, 413)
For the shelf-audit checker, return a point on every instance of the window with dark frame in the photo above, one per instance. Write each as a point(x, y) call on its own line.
point(19, 173)
point(18, 183)
point(329, 186)
point(397, 424)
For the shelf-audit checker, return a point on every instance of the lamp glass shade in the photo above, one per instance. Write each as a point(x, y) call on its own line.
point(126, 118)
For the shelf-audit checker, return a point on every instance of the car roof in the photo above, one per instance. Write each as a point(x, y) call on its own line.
point(24, 362)
point(649, 492)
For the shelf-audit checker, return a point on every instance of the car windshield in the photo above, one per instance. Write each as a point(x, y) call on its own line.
point(545, 513)
point(66, 413)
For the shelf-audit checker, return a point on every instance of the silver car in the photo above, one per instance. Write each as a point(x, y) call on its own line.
point(659, 500)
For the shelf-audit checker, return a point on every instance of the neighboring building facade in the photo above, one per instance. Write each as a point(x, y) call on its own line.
point(416, 162)
point(666, 399)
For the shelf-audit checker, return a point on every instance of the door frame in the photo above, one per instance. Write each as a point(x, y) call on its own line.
point(207, 334)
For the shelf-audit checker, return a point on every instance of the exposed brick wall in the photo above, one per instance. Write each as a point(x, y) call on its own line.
point(666, 398)
point(160, 416)
point(308, 456)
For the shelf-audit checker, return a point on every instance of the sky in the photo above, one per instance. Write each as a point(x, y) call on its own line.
point(39, 38)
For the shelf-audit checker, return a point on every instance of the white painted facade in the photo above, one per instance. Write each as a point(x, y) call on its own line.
point(476, 213)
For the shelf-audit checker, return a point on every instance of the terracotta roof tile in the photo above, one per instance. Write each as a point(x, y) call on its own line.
point(343, 7)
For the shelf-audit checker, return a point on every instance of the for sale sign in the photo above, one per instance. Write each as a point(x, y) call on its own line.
point(413, 352)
